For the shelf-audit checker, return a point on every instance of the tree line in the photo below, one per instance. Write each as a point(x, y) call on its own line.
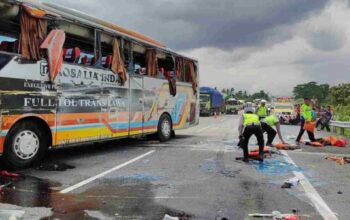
point(244, 95)
point(336, 96)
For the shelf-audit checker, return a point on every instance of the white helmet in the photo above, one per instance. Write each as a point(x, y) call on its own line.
point(263, 101)
point(248, 109)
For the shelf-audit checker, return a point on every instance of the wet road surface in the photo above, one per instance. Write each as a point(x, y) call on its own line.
point(194, 176)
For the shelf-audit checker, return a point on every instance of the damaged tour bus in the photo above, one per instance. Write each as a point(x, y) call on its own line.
point(68, 78)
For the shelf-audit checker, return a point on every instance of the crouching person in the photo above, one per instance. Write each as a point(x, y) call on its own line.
point(250, 125)
point(267, 126)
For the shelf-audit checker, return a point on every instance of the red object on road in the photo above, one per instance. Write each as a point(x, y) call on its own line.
point(254, 154)
point(341, 143)
point(5, 173)
point(291, 217)
point(266, 149)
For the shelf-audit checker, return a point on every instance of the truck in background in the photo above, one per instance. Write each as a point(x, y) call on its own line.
point(232, 106)
point(283, 108)
point(211, 101)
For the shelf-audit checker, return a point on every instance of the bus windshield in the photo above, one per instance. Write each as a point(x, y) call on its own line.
point(232, 102)
point(283, 107)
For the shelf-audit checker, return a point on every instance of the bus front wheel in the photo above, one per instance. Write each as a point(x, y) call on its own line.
point(164, 128)
point(25, 144)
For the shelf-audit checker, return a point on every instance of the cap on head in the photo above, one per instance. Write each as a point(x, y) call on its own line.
point(263, 101)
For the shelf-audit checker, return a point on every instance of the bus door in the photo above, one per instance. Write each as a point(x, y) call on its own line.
point(79, 107)
point(136, 105)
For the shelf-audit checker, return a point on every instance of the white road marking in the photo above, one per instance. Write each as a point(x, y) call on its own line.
point(202, 129)
point(84, 182)
point(311, 192)
point(143, 197)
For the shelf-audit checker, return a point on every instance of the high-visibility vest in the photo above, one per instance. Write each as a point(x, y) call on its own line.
point(271, 120)
point(262, 111)
point(306, 112)
point(250, 119)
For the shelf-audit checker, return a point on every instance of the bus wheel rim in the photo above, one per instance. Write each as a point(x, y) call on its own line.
point(166, 128)
point(26, 144)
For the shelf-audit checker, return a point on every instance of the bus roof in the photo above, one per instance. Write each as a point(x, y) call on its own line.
point(76, 16)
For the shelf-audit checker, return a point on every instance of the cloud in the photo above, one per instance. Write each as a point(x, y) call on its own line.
point(316, 50)
point(184, 24)
point(249, 45)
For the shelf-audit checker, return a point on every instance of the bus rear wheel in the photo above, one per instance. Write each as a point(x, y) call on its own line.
point(164, 128)
point(25, 144)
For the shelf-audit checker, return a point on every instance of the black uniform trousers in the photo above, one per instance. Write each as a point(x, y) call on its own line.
point(302, 130)
point(271, 133)
point(250, 130)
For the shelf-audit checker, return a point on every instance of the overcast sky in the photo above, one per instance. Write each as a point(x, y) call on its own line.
point(246, 44)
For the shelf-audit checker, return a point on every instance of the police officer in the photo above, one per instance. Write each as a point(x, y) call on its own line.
point(249, 125)
point(267, 126)
point(305, 116)
point(262, 110)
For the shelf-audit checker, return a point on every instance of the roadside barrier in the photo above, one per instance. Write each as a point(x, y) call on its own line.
point(342, 125)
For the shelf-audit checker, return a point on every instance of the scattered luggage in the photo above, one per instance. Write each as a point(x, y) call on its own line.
point(339, 160)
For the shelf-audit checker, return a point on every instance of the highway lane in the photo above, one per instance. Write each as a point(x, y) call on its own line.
point(194, 175)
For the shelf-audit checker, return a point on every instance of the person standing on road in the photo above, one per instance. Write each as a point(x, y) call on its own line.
point(306, 116)
point(249, 125)
point(326, 117)
point(267, 124)
point(262, 110)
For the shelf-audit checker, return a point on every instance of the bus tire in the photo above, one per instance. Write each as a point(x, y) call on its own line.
point(26, 144)
point(164, 128)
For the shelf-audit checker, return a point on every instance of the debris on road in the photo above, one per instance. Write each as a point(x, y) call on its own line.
point(177, 216)
point(266, 149)
point(291, 182)
point(54, 167)
point(339, 160)
point(4, 186)
point(168, 217)
point(5, 173)
point(276, 215)
point(291, 137)
point(281, 146)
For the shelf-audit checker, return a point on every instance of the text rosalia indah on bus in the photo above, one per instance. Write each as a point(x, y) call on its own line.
point(82, 73)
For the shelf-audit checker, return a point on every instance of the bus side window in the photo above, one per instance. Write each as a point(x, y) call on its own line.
point(139, 63)
point(107, 51)
point(190, 72)
point(180, 68)
point(126, 53)
point(166, 68)
point(78, 50)
point(9, 44)
point(9, 36)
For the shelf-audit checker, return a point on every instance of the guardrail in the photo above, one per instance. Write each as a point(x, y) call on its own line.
point(340, 124)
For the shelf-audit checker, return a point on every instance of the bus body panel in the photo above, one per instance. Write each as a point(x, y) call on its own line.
point(88, 104)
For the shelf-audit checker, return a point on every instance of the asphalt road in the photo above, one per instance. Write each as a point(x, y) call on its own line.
point(194, 176)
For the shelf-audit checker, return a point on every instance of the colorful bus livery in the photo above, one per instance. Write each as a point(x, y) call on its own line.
point(87, 101)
